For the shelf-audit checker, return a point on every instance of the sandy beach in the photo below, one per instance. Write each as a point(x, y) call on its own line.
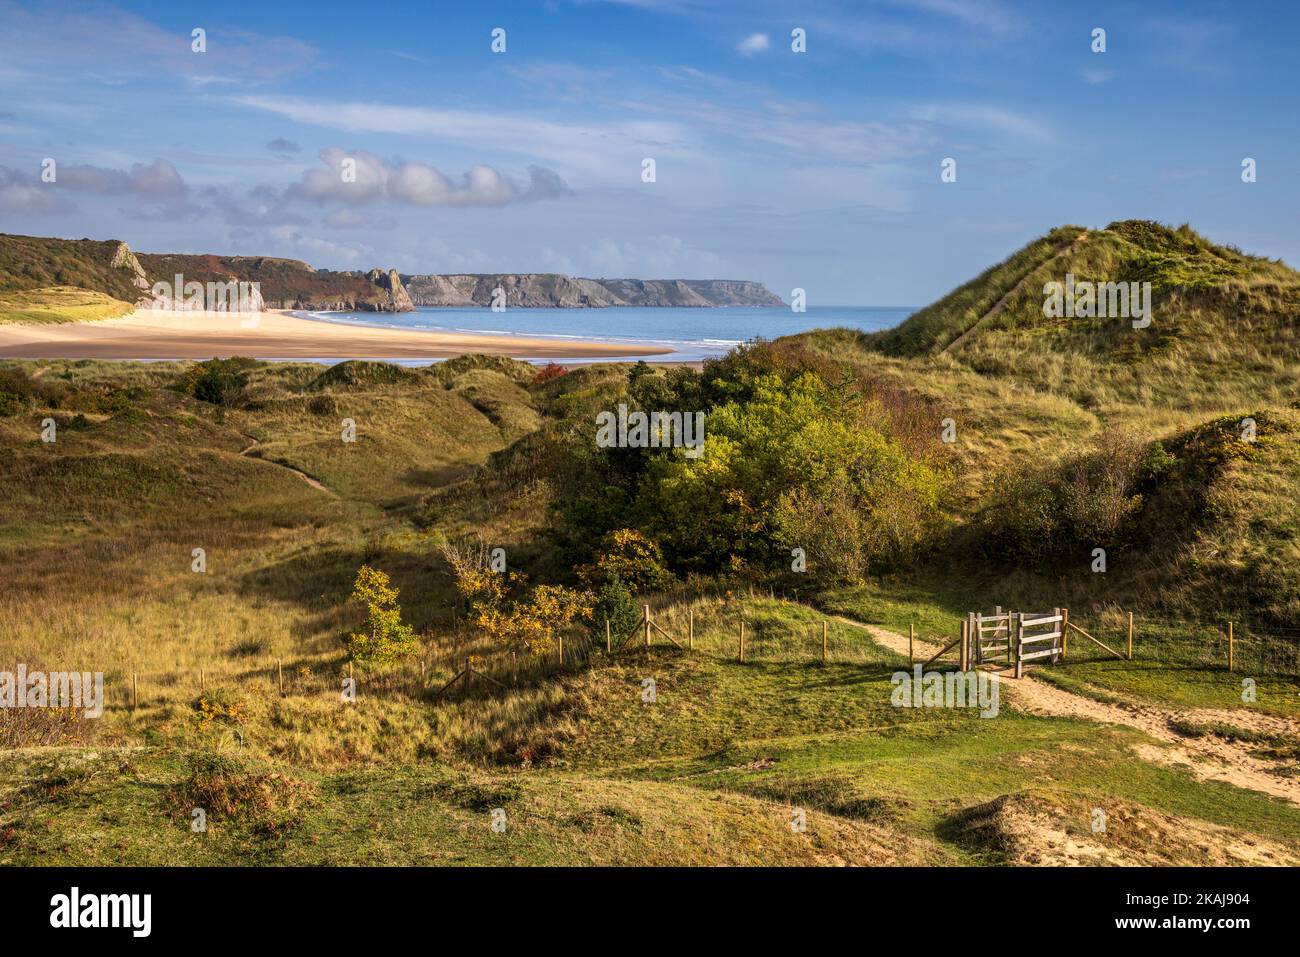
point(150, 334)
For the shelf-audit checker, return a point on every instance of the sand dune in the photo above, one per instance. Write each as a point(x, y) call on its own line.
point(149, 334)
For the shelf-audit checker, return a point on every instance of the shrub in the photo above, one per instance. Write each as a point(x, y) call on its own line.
point(630, 557)
point(1088, 500)
point(614, 603)
point(225, 788)
point(776, 466)
point(549, 373)
point(217, 381)
point(386, 638)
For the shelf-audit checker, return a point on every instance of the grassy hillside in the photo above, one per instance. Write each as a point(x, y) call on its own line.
point(1069, 436)
point(29, 263)
point(41, 279)
point(1222, 326)
point(60, 304)
point(143, 472)
point(285, 283)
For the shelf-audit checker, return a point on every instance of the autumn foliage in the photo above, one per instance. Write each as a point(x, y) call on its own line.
point(385, 638)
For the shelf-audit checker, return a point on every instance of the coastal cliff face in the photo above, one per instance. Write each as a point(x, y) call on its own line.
point(111, 268)
point(290, 283)
point(391, 283)
point(555, 290)
point(123, 258)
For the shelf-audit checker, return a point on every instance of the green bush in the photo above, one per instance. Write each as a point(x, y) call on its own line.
point(217, 381)
point(614, 602)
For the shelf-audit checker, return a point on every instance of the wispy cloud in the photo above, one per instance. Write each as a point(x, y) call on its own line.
point(1097, 77)
point(753, 44)
point(593, 147)
point(115, 44)
point(977, 116)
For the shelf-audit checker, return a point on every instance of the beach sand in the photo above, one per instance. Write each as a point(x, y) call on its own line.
point(149, 334)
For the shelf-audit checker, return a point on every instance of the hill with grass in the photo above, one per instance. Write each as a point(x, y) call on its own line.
point(1172, 447)
point(1201, 289)
point(1222, 321)
point(35, 270)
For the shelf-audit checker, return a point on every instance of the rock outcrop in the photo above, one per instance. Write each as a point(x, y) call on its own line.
point(123, 258)
point(391, 283)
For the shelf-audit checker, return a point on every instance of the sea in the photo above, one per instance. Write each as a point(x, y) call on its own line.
point(689, 334)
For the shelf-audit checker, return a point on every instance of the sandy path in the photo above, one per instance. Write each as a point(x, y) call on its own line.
point(150, 334)
point(302, 475)
point(1209, 757)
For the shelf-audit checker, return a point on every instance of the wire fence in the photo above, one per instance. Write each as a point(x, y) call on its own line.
point(761, 629)
point(1177, 643)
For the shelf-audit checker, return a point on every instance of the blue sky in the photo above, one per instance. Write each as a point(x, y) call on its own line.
point(819, 169)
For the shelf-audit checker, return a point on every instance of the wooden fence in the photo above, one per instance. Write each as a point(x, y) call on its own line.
point(1005, 638)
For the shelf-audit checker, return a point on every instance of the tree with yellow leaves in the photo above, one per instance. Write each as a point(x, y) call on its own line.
point(386, 638)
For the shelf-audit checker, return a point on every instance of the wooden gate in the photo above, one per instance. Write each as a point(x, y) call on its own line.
point(1039, 636)
point(991, 636)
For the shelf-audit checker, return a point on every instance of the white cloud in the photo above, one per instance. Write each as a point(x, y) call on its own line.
point(23, 193)
point(156, 179)
point(122, 44)
point(417, 184)
point(754, 43)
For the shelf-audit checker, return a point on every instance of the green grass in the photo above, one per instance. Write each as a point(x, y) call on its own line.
point(57, 304)
point(105, 519)
point(709, 773)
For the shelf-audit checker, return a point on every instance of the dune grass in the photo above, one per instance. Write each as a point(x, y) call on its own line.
point(55, 304)
point(98, 536)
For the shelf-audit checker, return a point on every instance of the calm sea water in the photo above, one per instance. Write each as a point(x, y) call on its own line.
point(689, 333)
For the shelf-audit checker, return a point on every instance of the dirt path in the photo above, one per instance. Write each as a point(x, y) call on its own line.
point(1001, 304)
point(288, 468)
point(1209, 757)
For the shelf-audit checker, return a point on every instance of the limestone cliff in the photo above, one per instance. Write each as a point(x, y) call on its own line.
point(398, 298)
point(556, 290)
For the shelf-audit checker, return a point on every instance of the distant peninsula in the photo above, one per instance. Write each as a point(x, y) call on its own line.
point(557, 290)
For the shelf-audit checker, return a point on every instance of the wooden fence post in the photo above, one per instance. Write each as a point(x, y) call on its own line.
point(646, 609)
point(742, 641)
point(1065, 632)
point(609, 649)
point(1230, 646)
point(135, 691)
point(690, 628)
point(1130, 636)
point(1056, 642)
point(1019, 641)
point(279, 674)
point(202, 683)
point(997, 623)
point(964, 649)
point(911, 643)
point(561, 651)
point(823, 641)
